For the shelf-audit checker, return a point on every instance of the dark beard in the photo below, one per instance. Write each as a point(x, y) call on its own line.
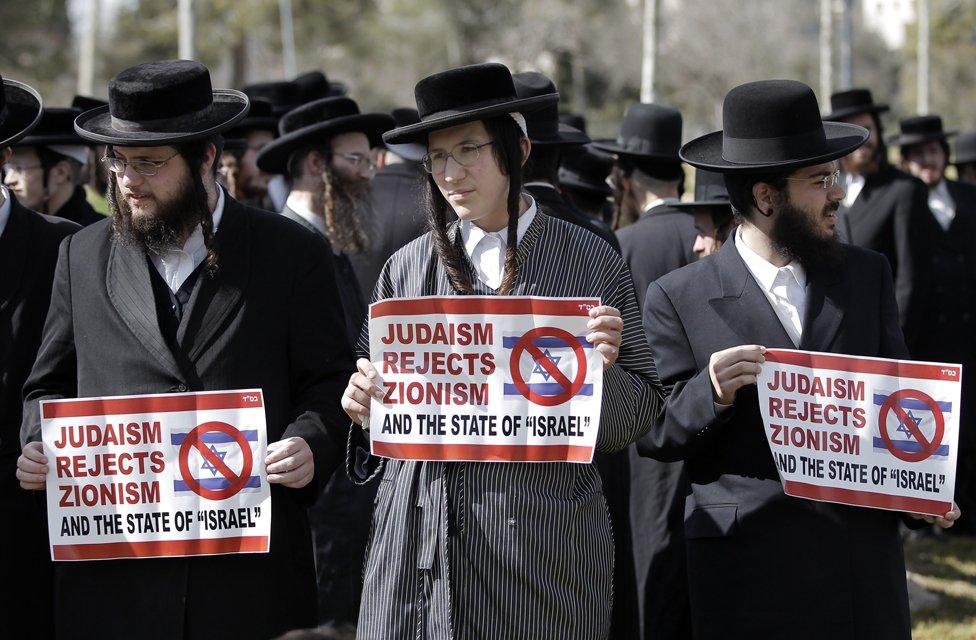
point(162, 231)
point(343, 203)
point(796, 237)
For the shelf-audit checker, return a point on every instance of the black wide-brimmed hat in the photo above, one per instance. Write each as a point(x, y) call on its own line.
point(772, 125)
point(259, 118)
point(918, 129)
point(586, 171)
point(56, 127)
point(465, 94)
point(282, 94)
point(710, 191)
point(413, 151)
point(318, 121)
point(575, 120)
point(162, 103)
point(86, 103)
point(965, 148)
point(648, 132)
point(844, 104)
point(20, 111)
point(543, 125)
point(314, 85)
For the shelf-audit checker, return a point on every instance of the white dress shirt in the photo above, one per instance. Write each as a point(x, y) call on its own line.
point(4, 208)
point(784, 287)
point(941, 204)
point(176, 265)
point(658, 203)
point(297, 204)
point(852, 188)
point(487, 249)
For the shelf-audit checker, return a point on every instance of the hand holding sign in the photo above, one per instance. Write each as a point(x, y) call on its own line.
point(32, 467)
point(362, 384)
point(605, 327)
point(944, 521)
point(290, 463)
point(732, 369)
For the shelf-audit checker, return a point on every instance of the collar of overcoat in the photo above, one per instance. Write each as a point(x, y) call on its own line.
point(212, 300)
point(743, 305)
point(14, 251)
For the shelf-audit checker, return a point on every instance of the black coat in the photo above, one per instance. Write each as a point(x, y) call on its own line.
point(28, 253)
point(883, 218)
point(658, 242)
point(397, 217)
point(264, 320)
point(549, 198)
point(78, 210)
point(762, 564)
point(350, 294)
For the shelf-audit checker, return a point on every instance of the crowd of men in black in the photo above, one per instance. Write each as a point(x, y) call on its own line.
point(303, 149)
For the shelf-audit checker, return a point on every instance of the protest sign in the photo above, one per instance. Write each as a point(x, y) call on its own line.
point(157, 475)
point(862, 431)
point(485, 378)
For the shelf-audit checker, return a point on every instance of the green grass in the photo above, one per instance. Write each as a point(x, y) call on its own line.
point(946, 567)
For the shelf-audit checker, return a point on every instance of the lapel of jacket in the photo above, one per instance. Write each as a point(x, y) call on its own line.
point(742, 303)
point(130, 291)
point(826, 301)
point(14, 251)
point(215, 297)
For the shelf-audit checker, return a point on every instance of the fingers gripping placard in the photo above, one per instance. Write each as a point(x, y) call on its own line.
point(506, 379)
point(863, 431)
point(157, 475)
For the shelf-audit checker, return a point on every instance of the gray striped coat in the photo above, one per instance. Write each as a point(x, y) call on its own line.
point(482, 550)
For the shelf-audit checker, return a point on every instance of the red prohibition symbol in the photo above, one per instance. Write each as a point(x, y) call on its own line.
point(927, 447)
point(527, 343)
point(193, 441)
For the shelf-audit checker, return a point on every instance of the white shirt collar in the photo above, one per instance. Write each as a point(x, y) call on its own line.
point(176, 265)
point(297, 204)
point(660, 201)
point(472, 234)
point(4, 208)
point(765, 272)
point(853, 185)
point(941, 204)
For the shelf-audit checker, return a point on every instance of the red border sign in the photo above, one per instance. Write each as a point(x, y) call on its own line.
point(237, 482)
point(927, 447)
point(525, 343)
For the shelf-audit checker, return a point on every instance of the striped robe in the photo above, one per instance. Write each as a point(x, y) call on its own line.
point(496, 550)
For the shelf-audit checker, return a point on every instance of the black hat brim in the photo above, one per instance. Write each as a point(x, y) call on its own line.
point(418, 132)
point(902, 140)
point(611, 147)
point(31, 140)
point(273, 158)
point(857, 110)
point(262, 123)
point(229, 108)
point(705, 152)
point(596, 188)
point(24, 109)
point(566, 136)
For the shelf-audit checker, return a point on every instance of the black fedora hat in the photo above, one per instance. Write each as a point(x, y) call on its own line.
point(543, 125)
point(710, 191)
point(772, 125)
point(20, 111)
point(404, 116)
point(647, 132)
point(162, 103)
point(586, 171)
point(462, 95)
point(918, 129)
point(56, 127)
point(85, 103)
point(965, 148)
point(575, 120)
point(282, 94)
point(320, 120)
point(314, 85)
point(259, 118)
point(852, 102)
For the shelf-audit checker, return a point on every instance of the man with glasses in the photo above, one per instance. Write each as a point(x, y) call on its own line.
point(324, 148)
point(762, 564)
point(186, 289)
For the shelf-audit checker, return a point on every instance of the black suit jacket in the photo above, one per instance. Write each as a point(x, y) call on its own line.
point(762, 564)
point(659, 242)
point(397, 217)
point(549, 198)
point(265, 319)
point(884, 218)
point(79, 210)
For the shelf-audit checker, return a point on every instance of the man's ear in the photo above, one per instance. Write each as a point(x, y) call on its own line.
point(764, 197)
point(209, 156)
point(526, 147)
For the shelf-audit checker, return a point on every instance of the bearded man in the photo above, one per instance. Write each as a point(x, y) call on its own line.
point(185, 289)
point(757, 559)
point(238, 167)
point(324, 147)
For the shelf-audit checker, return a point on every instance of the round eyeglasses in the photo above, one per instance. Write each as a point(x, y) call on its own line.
point(142, 167)
point(465, 154)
